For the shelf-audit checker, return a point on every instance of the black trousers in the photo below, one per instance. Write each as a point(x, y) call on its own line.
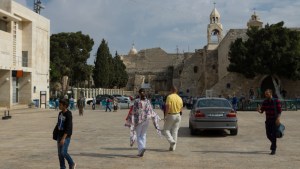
point(271, 129)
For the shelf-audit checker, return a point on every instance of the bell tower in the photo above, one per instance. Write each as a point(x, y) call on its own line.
point(214, 30)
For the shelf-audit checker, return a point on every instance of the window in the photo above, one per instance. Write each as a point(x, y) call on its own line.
point(25, 58)
point(3, 25)
point(228, 85)
point(195, 69)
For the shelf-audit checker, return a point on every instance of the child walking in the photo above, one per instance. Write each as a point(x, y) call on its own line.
point(62, 134)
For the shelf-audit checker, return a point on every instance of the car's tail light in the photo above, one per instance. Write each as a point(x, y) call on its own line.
point(199, 114)
point(231, 114)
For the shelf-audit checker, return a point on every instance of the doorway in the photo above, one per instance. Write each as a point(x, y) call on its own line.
point(15, 86)
point(267, 83)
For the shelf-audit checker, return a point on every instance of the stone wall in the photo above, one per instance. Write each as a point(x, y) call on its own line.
point(5, 85)
point(191, 80)
point(5, 5)
point(152, 67)
point(224, 47)
point(292, 87)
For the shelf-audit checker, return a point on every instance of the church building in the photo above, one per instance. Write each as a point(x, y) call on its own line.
point(196, 73)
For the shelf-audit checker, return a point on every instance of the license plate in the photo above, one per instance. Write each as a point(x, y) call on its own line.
point(216, 115)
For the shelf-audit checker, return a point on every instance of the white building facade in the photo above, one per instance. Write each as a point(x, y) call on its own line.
point(24, 56)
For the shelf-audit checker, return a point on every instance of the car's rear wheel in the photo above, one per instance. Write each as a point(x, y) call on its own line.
point(192, 130)
point(234, 132)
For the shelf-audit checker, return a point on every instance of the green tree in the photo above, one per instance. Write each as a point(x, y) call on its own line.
point(68, 57)
point(120, 76)
point(102, 70)
point(273, 50)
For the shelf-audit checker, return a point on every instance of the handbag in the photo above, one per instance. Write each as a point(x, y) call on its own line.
point(281, 127)
point(55, 133)
point(280, 131)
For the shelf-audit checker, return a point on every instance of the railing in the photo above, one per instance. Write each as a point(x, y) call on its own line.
point(286, 105)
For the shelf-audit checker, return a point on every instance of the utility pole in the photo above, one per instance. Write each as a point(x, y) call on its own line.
point(37, 6)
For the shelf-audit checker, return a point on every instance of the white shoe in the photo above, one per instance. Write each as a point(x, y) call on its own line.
point(172, 146)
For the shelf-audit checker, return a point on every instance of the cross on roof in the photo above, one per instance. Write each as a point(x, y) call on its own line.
point(254, 10)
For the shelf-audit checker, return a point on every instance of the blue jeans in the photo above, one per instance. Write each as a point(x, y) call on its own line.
point(107, 107)
point(63, 153)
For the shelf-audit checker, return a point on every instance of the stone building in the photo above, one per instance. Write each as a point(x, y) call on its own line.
point(205, 69)
point(24, 55)
point(151, 69)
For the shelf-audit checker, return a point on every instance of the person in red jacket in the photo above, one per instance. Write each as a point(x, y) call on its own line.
point(272, 107)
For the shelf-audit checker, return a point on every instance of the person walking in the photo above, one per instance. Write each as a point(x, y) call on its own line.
point(107, 103)
point(57, 104)
point(94, 103)
point(173, 111)
point(80, 105)
point(62, 134)
point(72, 103)
point(138, 120)
point(272, 107)
point(115, 104)
point(234, 102)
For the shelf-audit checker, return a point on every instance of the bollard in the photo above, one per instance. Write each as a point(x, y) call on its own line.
point(6, 115)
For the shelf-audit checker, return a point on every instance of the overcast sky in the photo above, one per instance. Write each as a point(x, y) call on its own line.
point(158, 23)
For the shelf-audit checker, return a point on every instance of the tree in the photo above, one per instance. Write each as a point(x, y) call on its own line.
point(273, 50)
point(68, 57)
point(102, 70)
point(120, 74)
point(109, 71)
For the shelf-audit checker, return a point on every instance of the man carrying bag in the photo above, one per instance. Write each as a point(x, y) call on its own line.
point(272, 107)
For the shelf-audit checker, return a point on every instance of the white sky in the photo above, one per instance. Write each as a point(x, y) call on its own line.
point(158, 23)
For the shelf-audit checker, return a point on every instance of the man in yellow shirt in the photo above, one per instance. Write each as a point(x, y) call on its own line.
point(174, 106)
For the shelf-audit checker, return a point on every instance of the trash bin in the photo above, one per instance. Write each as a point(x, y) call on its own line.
point(36, 102)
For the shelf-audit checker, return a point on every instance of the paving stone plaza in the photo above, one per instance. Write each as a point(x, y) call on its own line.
point(100, 140)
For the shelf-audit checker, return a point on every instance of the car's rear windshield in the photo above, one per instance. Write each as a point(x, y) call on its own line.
point(213, 103)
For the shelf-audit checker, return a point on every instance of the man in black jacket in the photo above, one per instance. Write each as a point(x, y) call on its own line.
point(62, 134)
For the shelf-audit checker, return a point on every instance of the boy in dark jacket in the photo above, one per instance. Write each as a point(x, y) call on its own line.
point(62, 134)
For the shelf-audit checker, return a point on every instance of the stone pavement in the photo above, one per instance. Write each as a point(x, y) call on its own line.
point(100, 141)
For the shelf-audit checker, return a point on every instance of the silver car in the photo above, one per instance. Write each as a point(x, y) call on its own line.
point(212, 114)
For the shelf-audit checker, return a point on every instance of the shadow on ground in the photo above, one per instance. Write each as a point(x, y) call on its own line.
point(115, 155)
point(122, 149)
point(185, 132)
point(98, 155)
point(233, 152)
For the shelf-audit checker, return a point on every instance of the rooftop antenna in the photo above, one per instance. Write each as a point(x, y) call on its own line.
point(38, 6)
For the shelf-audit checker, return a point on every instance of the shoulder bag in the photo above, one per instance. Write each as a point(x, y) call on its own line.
point(281, 127)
